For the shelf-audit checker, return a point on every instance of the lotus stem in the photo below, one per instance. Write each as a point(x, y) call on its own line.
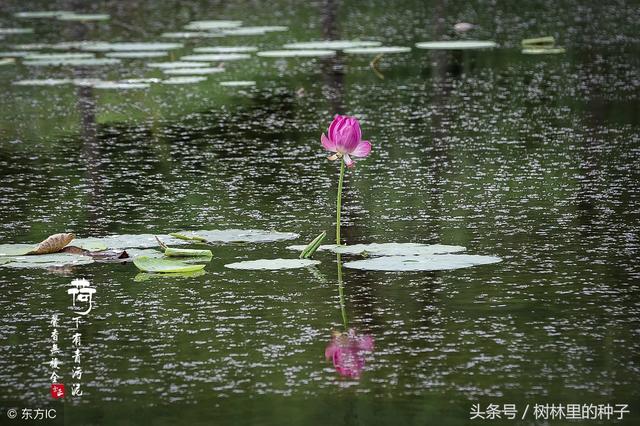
point(339, 202)
point(343, 308)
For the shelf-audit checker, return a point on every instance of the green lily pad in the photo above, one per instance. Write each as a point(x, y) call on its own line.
point(239, 83)
point(193, 71)
point(388, 249)
point(377, 50)
point(89, 62)
point(178, 252)
point(7, 61)
point(457, 45)
point(190, 34)
point(241, 235)
point(41, 14)
point(11, 31)
point(249, 31)
point(89, 244)
point(177, 64)
point(128, 46)
point(146, 276)
point(118, 85)
point(164, 265)
point(54, 260)
point(184, 80)
point(4, 260)
point(57, 56)
point(212, 25)
point(15, 54)
point(16, 249)
point(273, 264)
point(296, 53)
point(42, 82)
point(543, 50)
point(216, 57)
point(332, 44)
point(83, 17)
point(137, 54)
point(547, 41)
point(226, 49)
point(438, 262)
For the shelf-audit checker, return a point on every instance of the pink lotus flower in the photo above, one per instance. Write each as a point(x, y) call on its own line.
point(345, 139)
point(347, 350)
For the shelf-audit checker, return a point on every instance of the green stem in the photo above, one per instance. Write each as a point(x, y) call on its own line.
point(343, 308)
point(339, 202)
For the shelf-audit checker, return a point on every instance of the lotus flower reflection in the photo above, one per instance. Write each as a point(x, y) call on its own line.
point(345, 140)
point(347, 352)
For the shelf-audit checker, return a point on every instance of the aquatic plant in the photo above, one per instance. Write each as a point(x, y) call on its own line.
point(344, 139)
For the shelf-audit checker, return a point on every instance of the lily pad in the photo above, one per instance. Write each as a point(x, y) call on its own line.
point(387, 249)
point(226, 49)
point(177, 64)
point(146, 276)
point(332, 44)
point(543, 50)
point(239, 83)
point(377, 50)
point(90, 62)
point(163, 265)
point(11, 31)
point(296, 53)
point(249, 31)
point(457, 45)
point(241, 235)
point(7, 61)
point(216, 57)
point(184, 80)
point(137, 54)
point(48, 261)
point(57, 56)
point(272, 264)
point(41, 14)
point(42, 82)
point(190, 34)
point(15, 54)
point(438, 262)
point(83, 17)
point(129, 46)
point(212, 25)
point(193, 71)
point(118, 85)
point(89, 244)
point(16, 249)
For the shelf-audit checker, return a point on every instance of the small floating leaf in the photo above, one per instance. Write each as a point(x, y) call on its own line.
point(163, 265)
point(272, 264)
point(89, 62)
point(239, 83)
point(188, 237)
point(177, 64)
point(297, 53)
point(457, 45)
point(137, 54)
point(439, 262)
point(190, 34)
point(57, 56)
point(226, 49)
point(184, 80)
point(543, 50)
point(83, 17)
point(216, 57)
point(119, 85)
point(128, 46)
point(377, 50)
point(248, 31)
point(7, 61)
point(332, 44)
point(10, 31)
point(193, 71)
point(15, 54)
point(212, 25)
point(537, 41)
point(177, 252)
point(41, 14)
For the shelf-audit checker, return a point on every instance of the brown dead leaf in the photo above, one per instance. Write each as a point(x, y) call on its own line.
point(53, 244)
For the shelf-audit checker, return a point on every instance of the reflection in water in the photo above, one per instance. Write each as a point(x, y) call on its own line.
point(347, 350)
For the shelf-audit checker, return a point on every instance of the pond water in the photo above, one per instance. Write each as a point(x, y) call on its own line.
point(532, 158)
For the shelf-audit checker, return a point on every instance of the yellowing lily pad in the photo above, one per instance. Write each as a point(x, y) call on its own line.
point(164, 265)
point(272, 264)
point(439, 262)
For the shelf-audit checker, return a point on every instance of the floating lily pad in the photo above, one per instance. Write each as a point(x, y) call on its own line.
point(543, 50)
point(4, 260)
point(146, 276)
point(241, 235)
point(184, 80)
point(11, 31)
point(163, 265)
point(296, 53)
point(216, 57)
point(249, 31)
point(457, 45)
point(86, 82)
point(16, 249)
point(177, 64)
point(212, 25)
point(7, 61)
point(438, 262)
point(226, 49)
point(89, 244)
point(57, 56)
point(137, 54)
point(141, 80)
point(377, 50)
point(387, 249)
point(14, 54)
point(190, 34)
point(41, 14)
point(547, 41)
point(239, 83)
point(90, 62)
point(273, 264)
point(332, 44)
point(85, 17)
point(42, 82)
point(127, 241)
point(193, 71)
point(129, 46)
point(48, 261)
point(119, 85)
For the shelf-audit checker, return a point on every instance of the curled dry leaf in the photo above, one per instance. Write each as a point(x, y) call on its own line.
point(53, 244)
